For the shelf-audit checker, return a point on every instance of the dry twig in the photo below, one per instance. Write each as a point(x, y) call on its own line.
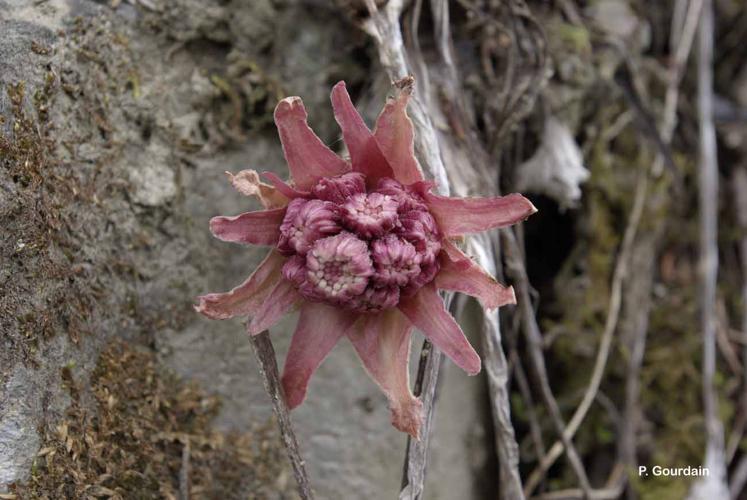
point(621, 270)
point(416, 456)
point(497, 371)
point(268, 368)
point(517, 272)
point(184, 470)
point(714, 485)
point(739, 476)
point(535, 430)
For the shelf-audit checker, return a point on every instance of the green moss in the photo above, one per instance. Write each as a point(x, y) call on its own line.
point(130, 443)
point(248, 96)
point(35, 224)
point(570, 36)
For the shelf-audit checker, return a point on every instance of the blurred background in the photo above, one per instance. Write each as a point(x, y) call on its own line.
point(119, 118)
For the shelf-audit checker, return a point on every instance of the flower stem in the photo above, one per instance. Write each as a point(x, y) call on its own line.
point(268, 368)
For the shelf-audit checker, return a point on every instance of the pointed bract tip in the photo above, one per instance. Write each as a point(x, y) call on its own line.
point(339, 88)
point(293, 396)
point(405, 84)
point(203, 307)
point(408, 418)
point(528, 206)
point(213, 222)
point(474, 370)
point(288, 104)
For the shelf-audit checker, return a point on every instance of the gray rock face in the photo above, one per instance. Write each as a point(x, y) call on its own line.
point(152, 180)
point(19, 440)
point(149, 109)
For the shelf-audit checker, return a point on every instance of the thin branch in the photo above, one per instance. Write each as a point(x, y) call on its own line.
point(535, 431)
point(739, 183)
point(605, 344)
point(680, 43)
point(638, 308)
point(708, 190)
point(713, 486)
point(738, 478)
point(268, 368)
point(497, 371)
point(184, 471)
point(416, 456)
point(516, 270)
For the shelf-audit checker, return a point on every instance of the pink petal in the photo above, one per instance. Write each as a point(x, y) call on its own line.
point(460, 274)
point(307, 156)
point(319, 328)
point(458, 216)
point(281, 186)
point(281, 300)
point(426, 312)
point(395, 138)
point(365, 154)
point(254, 228)
point(247, 183)
point(246, 298)
point(383, 344)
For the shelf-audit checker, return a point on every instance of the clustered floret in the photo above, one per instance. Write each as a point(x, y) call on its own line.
point(362, 250)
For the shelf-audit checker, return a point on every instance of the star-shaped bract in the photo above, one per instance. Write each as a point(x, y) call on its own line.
point(361, 247)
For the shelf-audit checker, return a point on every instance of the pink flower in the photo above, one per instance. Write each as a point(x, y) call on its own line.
point(361, 247)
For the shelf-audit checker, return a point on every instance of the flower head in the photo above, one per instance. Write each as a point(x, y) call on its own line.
point(376, 299)
point(362, 247)
point(337, 269)
point(304, 223)
point(408, 199)
point(339, 188)
point(370, 215)
point(397, 261)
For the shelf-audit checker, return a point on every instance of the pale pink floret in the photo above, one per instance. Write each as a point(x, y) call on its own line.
point(340, 188)
point(428, 271)
point(337, 269)
point(362, 248)
point(294, 270)
point(369, 215)
point(420, 228)
point(396, 261)
point(408, 200)
point(305, 222)
point(375, 299)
